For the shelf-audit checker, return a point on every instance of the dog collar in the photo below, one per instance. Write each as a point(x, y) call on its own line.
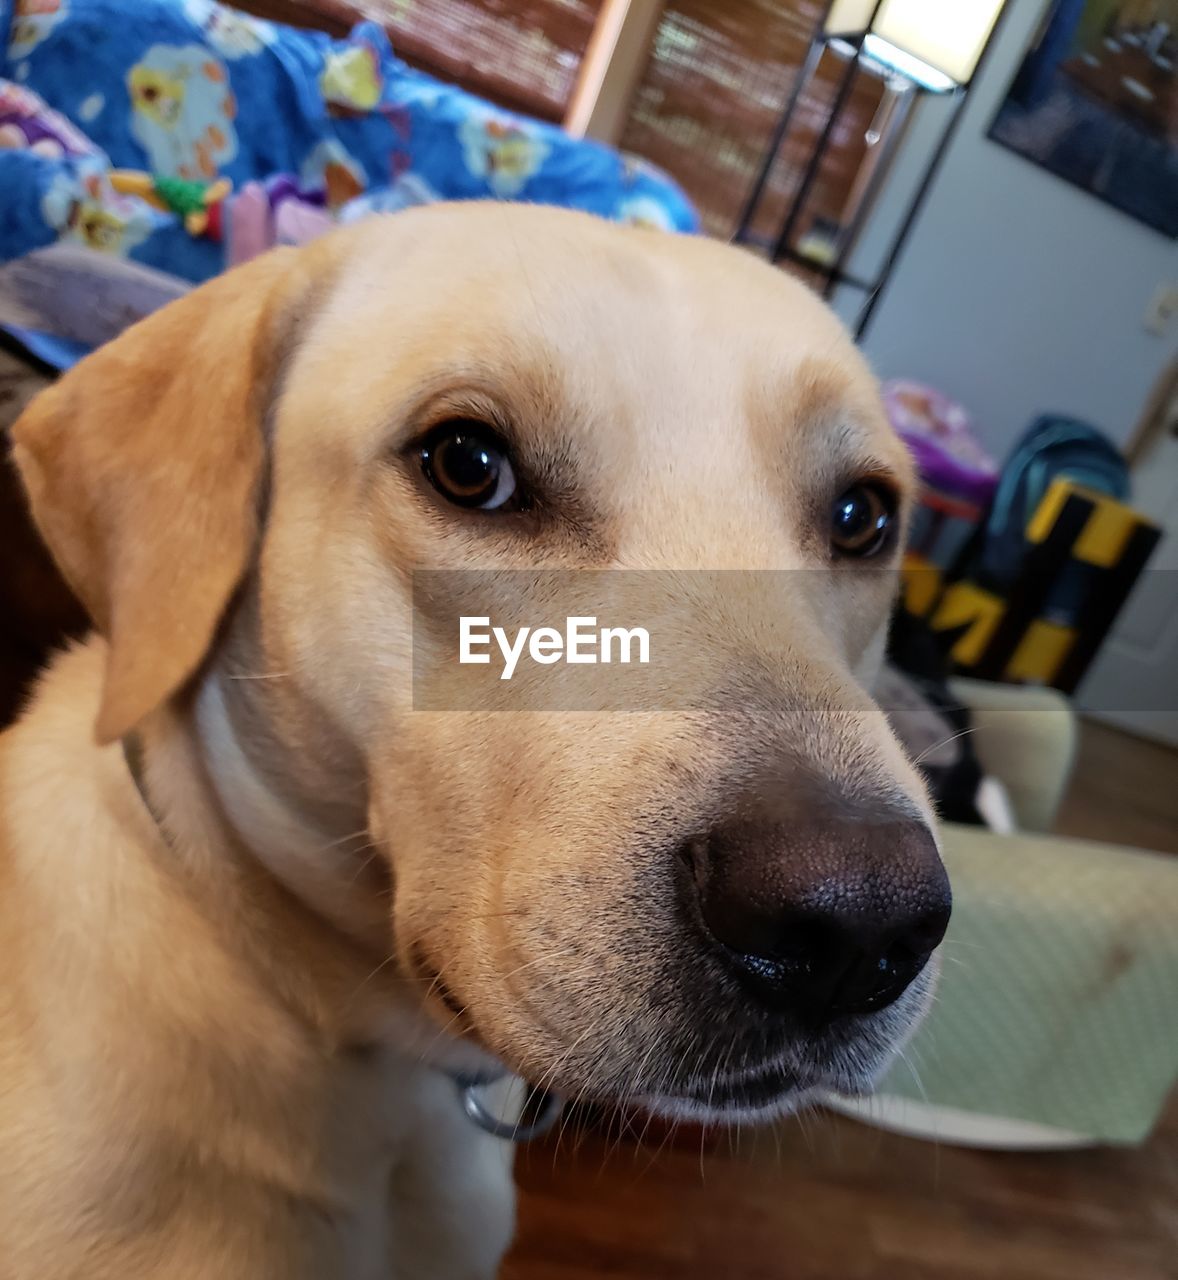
point(541, 1108)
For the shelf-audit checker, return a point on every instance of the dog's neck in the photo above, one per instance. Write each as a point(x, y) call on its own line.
point(314, 909)
point(291, 792)
point(322, 853)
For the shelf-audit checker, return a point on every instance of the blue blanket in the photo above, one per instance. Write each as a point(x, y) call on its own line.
point(193, 91)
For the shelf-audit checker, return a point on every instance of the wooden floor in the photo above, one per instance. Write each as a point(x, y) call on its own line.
point(1125, 790)
point(835, 1200)
point(839, 1201)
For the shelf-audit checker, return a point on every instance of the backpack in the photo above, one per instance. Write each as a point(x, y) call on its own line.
point(1053, 446)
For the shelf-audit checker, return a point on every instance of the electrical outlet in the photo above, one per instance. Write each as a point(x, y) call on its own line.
point(1162, 310)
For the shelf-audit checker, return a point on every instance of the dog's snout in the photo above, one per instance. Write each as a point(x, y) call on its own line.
point(826, 915)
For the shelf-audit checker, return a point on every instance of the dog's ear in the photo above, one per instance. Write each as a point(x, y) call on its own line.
point(142, 466)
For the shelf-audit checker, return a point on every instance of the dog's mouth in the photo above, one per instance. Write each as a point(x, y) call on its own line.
point(772, 1085)
point(760, 1090)
point(763, 1092)
point(748, 1069)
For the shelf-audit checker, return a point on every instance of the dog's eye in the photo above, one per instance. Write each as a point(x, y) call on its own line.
point(861, 519)
point(469, 465)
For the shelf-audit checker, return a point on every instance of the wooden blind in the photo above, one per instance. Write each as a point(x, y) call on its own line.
point(522, 54)
point(718, 77)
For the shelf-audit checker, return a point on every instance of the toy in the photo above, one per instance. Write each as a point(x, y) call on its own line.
point(199, 204)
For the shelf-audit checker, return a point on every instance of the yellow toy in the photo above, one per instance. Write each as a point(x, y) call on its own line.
point(198, 203)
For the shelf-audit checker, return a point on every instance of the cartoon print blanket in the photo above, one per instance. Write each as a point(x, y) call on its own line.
point(119, 119)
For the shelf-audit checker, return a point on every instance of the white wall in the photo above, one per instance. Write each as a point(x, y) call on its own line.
point(1017, 293)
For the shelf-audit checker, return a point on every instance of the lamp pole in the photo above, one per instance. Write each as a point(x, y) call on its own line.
point(782, 248)
point(781, 130)
point(920, 199)
point(915, 208)
point(846, 85)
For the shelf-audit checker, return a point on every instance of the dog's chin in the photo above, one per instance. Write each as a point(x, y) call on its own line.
point(847, 1062)
point(767, 1093)
point(687, 1110)
point(747, 1102)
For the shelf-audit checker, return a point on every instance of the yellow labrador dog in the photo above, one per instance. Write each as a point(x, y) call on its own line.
point(258, 914)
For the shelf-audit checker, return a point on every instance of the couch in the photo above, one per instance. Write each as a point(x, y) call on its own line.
point(1056, 1018)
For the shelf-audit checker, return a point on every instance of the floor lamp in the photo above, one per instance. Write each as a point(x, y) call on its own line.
point(933, 47)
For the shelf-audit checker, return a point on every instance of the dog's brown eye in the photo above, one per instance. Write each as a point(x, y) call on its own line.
point(861, 520)
point(469, 466)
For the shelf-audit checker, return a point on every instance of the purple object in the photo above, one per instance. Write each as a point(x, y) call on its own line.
point(284, 186)
point(278, 211)
point(28, 123)
point(939, 435)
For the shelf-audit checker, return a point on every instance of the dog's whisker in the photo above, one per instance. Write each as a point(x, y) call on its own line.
point(574, 1108)
point(542, 1083)
point(674, 1070)
point(802, 1116)
point(631, 1091)
point(549, 1076)
point(461, 1013)
point(373, 850)
point(960, 944)
point(392, 959)
point(437, 982)
point(953, 737)
point(712, 1088)
point(639, 1085)
point(531, 964)
point(352, 835)
point(672, 1126)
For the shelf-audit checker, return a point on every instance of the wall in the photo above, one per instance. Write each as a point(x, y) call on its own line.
point(1017, 293)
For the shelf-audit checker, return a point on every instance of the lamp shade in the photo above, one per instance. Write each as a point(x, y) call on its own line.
point(937, 43)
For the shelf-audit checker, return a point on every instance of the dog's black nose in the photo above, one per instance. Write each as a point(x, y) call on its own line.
point(818, 910)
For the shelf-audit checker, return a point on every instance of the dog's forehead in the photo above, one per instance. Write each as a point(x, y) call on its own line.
point(496, 276)
point(674, 333)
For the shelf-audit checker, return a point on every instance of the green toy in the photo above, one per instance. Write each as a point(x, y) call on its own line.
point(197, 203)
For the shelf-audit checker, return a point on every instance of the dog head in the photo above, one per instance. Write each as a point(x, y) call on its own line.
point(717, 900)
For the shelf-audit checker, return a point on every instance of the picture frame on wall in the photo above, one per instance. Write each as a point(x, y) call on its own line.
point(1095, 102)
